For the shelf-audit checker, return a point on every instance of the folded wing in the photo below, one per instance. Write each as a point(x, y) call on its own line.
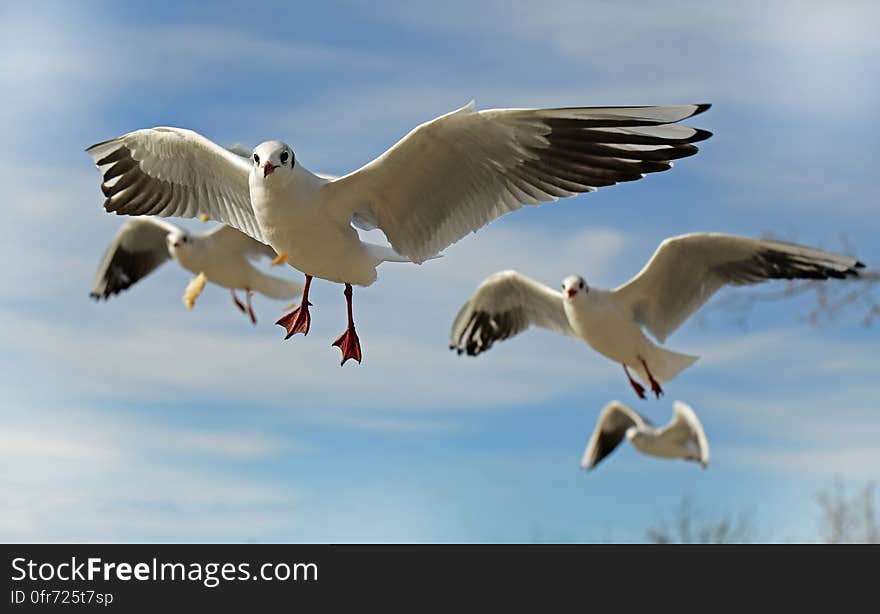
point(175, 172)
point(455, 174)
point(687, 270)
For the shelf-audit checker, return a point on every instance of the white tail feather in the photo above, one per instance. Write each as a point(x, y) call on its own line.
point(275, 287)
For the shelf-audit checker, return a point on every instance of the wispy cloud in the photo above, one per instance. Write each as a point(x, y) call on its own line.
point(79, 474)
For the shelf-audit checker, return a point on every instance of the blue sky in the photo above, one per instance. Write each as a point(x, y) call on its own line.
point(135, 420)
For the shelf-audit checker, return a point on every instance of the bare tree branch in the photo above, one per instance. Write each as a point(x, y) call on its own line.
point(849, 519)
point(690, 526)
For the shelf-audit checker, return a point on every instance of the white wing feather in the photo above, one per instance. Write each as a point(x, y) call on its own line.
point(138, 248)
point(686, 426)
point(236, 241)
point(504, 305)
point(175, 172)
point(610, 430)
point(454, 174)
point(687, 270)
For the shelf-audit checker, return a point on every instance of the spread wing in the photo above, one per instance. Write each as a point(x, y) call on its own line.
point(235, 241)
point(136, 251)
point(685, 429)
point(454, 174)
point(687, 270)
point(175, 172)
point(504, 305)
point(610, 430)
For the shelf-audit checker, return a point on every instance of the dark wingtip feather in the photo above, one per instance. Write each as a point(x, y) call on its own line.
point(699, 135)
point(89, 149)
point(702, 107)
point(859, 264)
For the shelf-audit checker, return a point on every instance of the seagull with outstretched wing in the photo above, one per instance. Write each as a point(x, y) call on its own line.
point(222, 254)
point(683, 274)
point(446, 178)
point(683, 437)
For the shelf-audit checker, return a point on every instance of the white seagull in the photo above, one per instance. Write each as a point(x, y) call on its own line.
point(683, 437)
point(223, 254)
point(683, 274)
point(446, 178)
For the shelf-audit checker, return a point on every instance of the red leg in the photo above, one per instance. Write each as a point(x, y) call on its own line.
point(348, 341)
point(250, 308)
point(298, 320)
point(655, 386)
point(640, 390)
point(237, 302)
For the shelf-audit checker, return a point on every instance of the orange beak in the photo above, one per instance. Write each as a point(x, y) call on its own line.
point(268, 167)
point(571, 292)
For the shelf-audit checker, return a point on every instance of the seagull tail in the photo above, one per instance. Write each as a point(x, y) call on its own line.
point(670, 364)
point(385, 253)
point(275, 287)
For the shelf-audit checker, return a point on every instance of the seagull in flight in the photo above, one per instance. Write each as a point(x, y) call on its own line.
point(223, 254)
point(448, 177)
point(683, 274)
point(683, 437)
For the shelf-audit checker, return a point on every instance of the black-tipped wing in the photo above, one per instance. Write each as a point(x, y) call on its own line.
point(455, 174)
point(175, 172)
point(504, 305)
point(687, 270)
point(610, 430)
point(136, 251)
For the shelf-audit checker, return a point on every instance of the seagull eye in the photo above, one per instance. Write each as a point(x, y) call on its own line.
point(284, 156)
point(256, 158)
point(581, 285)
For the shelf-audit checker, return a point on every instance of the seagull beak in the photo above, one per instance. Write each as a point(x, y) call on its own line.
point(571, 292)
point(176, 244)
point(268, 167)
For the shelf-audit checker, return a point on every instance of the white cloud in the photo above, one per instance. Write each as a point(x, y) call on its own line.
point(89, 474)
point(782, 53)
point(77, 474)
point(852, 463)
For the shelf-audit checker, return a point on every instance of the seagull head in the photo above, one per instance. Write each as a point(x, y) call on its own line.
point(574, 285)
point(271, 156)
point(178, 240)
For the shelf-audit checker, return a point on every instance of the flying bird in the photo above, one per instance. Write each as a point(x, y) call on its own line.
point(446, 178)
point(683, 274)
point(683, 437)
point(223, 254)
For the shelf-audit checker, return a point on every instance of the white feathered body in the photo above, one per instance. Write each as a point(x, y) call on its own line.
point(663, 443)
point(291, 215)
point(232, 271)
point(596, 318)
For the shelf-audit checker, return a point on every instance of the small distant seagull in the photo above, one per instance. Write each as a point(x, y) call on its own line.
point(683, 437)
point(223, 254)
point(446, 178)
point(683, 274)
